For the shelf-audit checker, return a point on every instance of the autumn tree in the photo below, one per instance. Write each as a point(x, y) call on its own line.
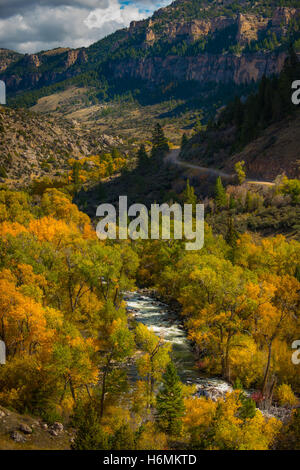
point(153, 362)
point(240, 171)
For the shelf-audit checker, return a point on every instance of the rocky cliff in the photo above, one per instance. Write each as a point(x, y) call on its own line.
point(29, 70)
point(203, 68)
point(204, 41)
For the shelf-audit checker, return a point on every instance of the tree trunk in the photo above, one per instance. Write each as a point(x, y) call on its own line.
point(103, 392)
point(267, 371)
point(72, 389)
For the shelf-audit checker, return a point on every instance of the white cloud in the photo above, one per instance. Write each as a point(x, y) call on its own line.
point(121, 14)
point(54, 23)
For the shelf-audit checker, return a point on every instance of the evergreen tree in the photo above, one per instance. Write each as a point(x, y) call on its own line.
point(248, 202)
point(142, 156)
point(231, 235)
point(184, 141)
point(248, 408)
point(189, 196)
point(160, 144)
point(232, 202)
point(220, 194)
point(169, 401)
point(90, 435)
point(198, 127)
point(75, 175)
point(123, 438)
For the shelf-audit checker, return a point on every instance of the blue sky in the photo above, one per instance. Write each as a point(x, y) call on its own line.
point(29, 26)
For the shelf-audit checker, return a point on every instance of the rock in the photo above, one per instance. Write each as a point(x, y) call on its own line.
point(44, 426)
point(58, 427)
point(25, 428)
point(2, 414)
point(53, 433)
point(17, 436)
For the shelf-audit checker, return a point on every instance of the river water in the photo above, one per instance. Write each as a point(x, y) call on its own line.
point(164, 323)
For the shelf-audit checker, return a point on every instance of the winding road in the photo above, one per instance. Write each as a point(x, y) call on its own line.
point(172, 157)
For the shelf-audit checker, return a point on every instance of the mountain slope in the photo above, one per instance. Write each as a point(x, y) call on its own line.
point(274, 152)
point(188, 41)
point(32, 145)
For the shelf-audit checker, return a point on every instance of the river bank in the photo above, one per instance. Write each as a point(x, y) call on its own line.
point(146, 307)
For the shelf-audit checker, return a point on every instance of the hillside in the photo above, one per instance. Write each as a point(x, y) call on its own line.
point(23, 432)
point(187, 42)
point(33, 145)
point(260, 130)
point(273, 153)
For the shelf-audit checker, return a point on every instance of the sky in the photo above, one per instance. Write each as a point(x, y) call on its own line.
point(29, 26)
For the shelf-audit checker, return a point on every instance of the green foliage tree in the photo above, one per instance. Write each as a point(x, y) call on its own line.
point(75, 174)
point(90, 434)
point(189, 196)
point(240, 171)
point(169, 401)
point(184, 141)
point(159, 142)
point(220, 194)
point(142, 156)
point(232, 235)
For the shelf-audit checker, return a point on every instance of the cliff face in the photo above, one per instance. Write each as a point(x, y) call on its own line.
point(204, 68)
point(43, 68)
point(208, 44)
point(7, 57)
point(249, 26)
point(191, 30)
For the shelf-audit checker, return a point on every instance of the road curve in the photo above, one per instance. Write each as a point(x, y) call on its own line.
point(172, 157)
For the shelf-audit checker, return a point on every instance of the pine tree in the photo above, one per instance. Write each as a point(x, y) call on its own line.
point(75, 174)
point(123, 438)
point(159, 142)
point(169, 401)
point(184, 141)
point(142, 156)
point(189, 196)
point(248, 408)
point(231, 235)
point(198, 127)
point(248, 202)
point(90, 434)
point(220, 194)
point(232, 202)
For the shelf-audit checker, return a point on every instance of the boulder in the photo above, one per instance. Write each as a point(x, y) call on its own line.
point(17, 436)
point(25, 428)
point(58, 427)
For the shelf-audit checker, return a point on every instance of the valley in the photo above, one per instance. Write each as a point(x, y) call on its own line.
point(139, 344)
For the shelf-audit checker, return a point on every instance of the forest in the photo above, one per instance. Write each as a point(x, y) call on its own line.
point(70, 339)
point(77, 355)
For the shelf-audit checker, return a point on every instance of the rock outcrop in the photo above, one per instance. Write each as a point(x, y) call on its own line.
point(203, 68)
point(132, 52)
